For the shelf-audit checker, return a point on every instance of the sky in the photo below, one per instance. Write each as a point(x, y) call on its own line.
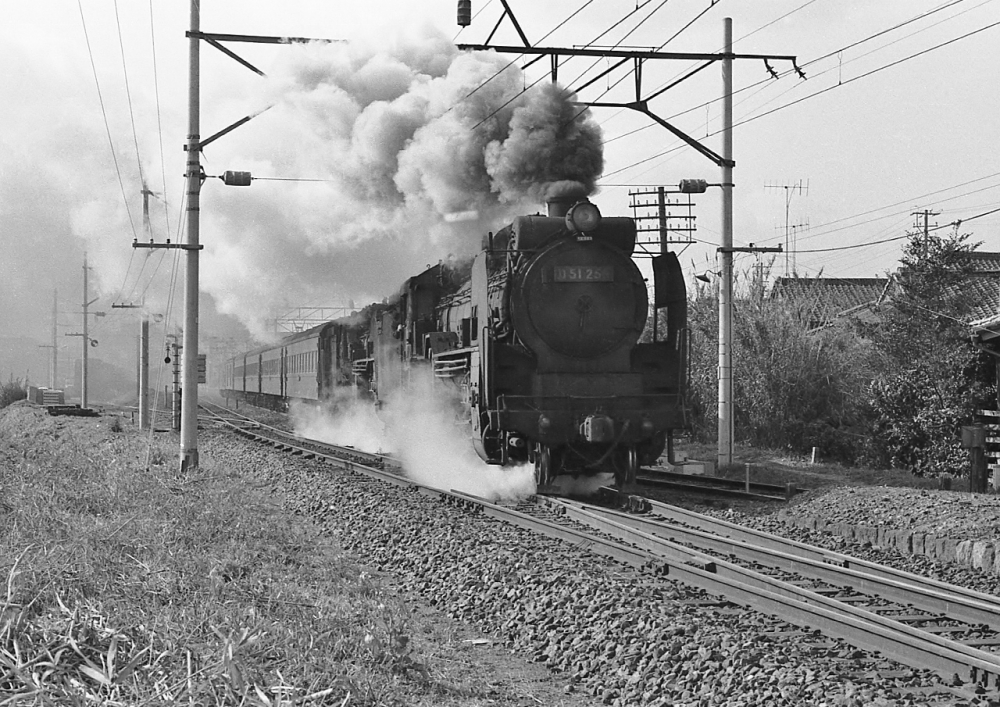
point(388, 150)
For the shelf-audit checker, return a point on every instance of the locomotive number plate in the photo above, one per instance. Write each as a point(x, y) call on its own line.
point(583, 273)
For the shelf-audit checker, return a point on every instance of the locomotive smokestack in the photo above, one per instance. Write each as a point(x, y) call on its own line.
point(557, 207)
point(561, 195)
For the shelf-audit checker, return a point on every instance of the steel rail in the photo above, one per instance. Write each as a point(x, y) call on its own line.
point(295, 441)
point(933, 599)
point(859, 627)
point(759, 487)
point(708, 488)
point(762, 539)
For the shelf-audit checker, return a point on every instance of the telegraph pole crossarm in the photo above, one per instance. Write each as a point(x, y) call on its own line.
point(178, 246)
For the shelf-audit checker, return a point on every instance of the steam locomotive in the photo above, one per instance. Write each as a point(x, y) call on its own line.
point(539, 336)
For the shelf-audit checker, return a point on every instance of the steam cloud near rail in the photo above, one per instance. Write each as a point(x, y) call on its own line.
point(422, 149)
point(419, 427)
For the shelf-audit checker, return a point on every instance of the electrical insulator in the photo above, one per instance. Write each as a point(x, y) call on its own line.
point(236, 179)
point(693, 186)
point(464, 13)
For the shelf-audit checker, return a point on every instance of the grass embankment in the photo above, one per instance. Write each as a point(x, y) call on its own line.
point(125, 584)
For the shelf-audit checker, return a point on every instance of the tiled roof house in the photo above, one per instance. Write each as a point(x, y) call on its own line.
point(830, 298)
point(837, 298)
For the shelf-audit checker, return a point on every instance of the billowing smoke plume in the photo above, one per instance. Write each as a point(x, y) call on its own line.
point(422, 149)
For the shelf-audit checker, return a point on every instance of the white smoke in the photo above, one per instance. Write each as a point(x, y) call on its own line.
point(348, 421)
point(436, 449)
point(419, 425)
point(406, 134)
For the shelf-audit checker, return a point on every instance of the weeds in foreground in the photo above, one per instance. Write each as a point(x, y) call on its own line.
point(126, 585)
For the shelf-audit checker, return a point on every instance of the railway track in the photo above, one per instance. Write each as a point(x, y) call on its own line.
point(284, 440)
point(912, 620)
point(716, 486)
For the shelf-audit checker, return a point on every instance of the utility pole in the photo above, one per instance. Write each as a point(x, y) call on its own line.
point(87, 341)
point(54, 365)
point(174, 357)
point(926, 213)
point(86, 338)
point(189, 384)
point(725, 256)
point(142, 377)
point(54, 383)
point(144, 421)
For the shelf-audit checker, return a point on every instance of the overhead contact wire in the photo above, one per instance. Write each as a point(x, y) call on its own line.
point(104, 113)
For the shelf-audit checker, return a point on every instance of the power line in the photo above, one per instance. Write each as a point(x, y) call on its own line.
point(128, 94)
point(870, 73)
point(765, 82)
point(159, 119)
point(813, 95)
point(519, 56)
point(104, 113)
point(957, 223)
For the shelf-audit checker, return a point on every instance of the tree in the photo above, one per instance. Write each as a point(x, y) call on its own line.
point(930, 378)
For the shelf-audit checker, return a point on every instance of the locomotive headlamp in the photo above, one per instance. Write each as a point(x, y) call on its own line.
point(583, 217)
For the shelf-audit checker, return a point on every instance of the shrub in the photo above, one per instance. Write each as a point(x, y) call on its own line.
point(12, 391)
point(793, 388)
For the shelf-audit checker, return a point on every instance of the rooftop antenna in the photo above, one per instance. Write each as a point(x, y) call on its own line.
point(790, 189)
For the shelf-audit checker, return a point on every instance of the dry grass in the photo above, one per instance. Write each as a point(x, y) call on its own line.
point(123, 585)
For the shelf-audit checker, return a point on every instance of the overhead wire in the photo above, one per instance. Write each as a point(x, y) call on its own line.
point(952, 224)
point(159, 126)
point(870, 73)
point(513, 61)
point(570, 91)
point(889, 215)
point(104, 113)
point(768, 81)
point(817, 93)
point(159, 117)
point(128, 95)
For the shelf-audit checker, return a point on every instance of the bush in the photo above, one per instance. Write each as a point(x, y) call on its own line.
point(793, 388)
point(890, 393)
point(12, 391)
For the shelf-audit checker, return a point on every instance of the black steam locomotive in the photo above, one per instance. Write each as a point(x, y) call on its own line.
point(540, 337)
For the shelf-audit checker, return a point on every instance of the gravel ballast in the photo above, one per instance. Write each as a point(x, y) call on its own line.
point(625, 637)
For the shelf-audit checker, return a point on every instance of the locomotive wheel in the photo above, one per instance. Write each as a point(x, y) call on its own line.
point(633, 466)
point(543, 466)
point(625, 474)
